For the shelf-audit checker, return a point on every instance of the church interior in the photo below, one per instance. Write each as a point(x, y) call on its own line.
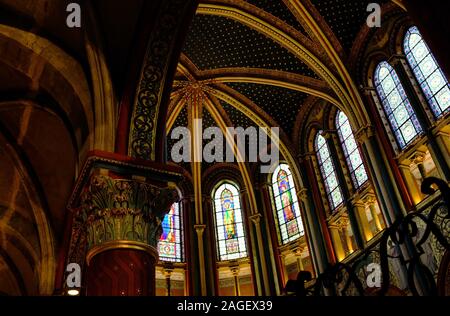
point(352, 96)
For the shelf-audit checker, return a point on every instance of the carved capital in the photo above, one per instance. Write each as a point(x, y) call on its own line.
point(256, 219)
point(364, 133)
point(118, 203)
point(303, 195)
point(417, 158)
point(369, 200)
point(199, 229)
point(235, 268)
point(342, 223)
point(121, 209)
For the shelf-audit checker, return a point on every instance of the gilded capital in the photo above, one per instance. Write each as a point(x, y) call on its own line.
point(122, 209)
point(369, 199)
point(119, 203)
point(417, 158)
point(200, 229)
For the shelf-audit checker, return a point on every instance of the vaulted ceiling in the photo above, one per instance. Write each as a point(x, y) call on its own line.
point(252, 59)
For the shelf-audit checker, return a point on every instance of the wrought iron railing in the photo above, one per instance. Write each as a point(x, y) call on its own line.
point(407, 255)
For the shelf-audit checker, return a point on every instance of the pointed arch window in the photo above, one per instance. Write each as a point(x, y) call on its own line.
point(231, 241)
point(401, 116)
point(431, 79)
point(170, 244)
point(328, 172)
point(351, 150)
point(286, 204)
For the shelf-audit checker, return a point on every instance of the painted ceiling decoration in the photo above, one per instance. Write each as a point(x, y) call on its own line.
point(345, 18)
point(259, 62)
point(218, 42)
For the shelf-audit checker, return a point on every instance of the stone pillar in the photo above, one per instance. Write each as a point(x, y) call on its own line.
point(200, 229)
point(360, 210)
point(275, 262)
point(414, 189)
point(337, 242)
point(235, 272)
point(168, 270)
point(256, 220)
point(370, 201)
point(388, 194)
point(321, 246)
point(298, 254)
point(120, 206)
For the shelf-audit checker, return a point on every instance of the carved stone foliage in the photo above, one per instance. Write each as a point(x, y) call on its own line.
point(120, 209)
point(153, 78)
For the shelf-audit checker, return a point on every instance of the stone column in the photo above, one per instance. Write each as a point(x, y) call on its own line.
point(338, 243)
point(120, 208)
point(370, 201)
point(235, 272)
point(413, 187)
point(360, 210)
point(256, 220)
point(388, 194)
point(168, 270)
point(298, 254)
point(320, 242)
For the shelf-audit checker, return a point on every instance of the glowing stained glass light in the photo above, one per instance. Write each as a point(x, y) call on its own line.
point(231, 242)
point(170, 244)
point(431, 79)
point(401, 115)
point(328, 172)
point(351, 150)
point(287, 208)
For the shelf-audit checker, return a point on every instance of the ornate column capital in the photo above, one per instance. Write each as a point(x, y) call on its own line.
point(417, 158)
point(120, 204)
point(342, 223)
point(256, 218)
point(369, 199)
point(364, 133)
point(235, 268)
point(303, 195)
point(200, 229)
point(298, 249)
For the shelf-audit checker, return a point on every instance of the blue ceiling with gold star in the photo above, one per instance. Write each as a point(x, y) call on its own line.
point(218, 42)
point(345, 17)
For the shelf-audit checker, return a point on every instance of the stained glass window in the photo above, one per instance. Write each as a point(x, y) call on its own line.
point(328, 171)
point(429, 75)
point(396, 105)
point(231, 243)
point(287, 208)
point(351, 150)
point(171, 241)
